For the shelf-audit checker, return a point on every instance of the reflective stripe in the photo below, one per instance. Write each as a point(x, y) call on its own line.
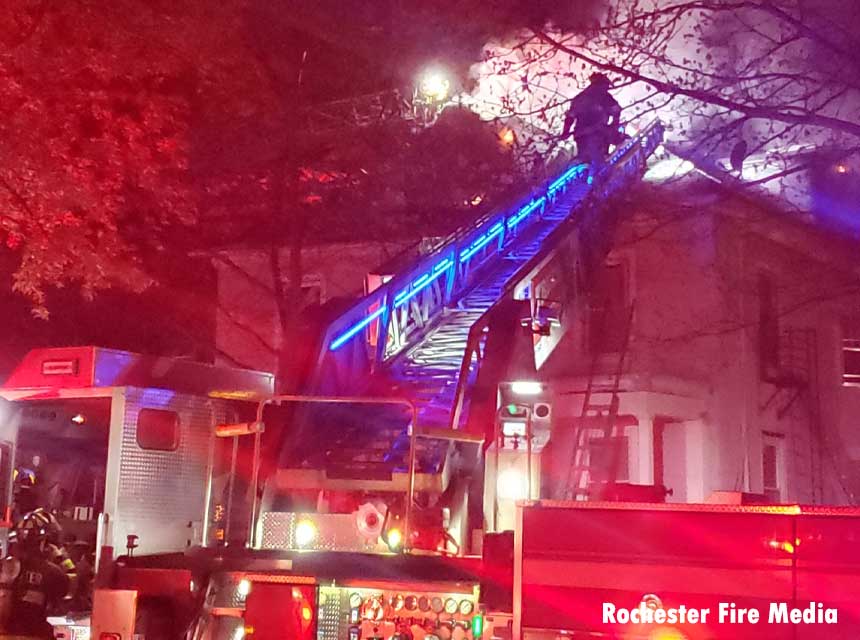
point(34, 597)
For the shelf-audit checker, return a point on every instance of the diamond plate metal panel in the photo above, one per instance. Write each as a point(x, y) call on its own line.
point(224, 592)
point(333, 613)
point(161, 495)
point(335, 532)
point(218, 627)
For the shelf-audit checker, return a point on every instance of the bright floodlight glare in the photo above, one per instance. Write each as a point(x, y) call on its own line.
point(512, 485)
point(244, 588)
point(394, 539)
point(435, 85)
point(511, 429)
point(306, 532)
point(668, 169)
point(526, 387)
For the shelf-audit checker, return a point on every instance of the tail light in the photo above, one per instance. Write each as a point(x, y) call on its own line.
point(104, 635)
point(667, 633)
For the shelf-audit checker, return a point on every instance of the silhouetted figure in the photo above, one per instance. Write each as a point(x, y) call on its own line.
point(738, 155)
point(594, 117)
point(36, 577)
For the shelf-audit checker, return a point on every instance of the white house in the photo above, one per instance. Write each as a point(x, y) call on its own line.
point(742, 368)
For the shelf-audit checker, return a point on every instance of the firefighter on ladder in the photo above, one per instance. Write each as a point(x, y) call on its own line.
point(36, 577)
point(594, 116)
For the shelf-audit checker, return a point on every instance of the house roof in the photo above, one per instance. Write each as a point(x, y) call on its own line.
point(762, 214)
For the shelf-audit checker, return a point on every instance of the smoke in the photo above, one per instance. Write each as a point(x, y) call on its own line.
point(764, 55)
point(405, 36)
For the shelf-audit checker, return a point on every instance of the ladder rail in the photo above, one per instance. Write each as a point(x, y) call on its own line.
point(579, 470)
point(461, 263)
point(457, 260)
point(619, 372)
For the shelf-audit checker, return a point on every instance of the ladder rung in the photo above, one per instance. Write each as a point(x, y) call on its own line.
point(599, 407)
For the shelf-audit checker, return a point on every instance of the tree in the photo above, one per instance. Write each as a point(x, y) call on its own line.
point(291, 178)
point(94, 146)
point(777, 77)
point(390, 183)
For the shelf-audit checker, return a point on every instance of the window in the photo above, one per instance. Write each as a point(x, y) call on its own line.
point(610, 309)
point(851, 362)
point(604, 453)
point(158, 429)
point(313, 289)
point(772, 471)
point(768, 327)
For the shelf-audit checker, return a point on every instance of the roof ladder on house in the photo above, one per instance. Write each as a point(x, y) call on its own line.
point(599, 418)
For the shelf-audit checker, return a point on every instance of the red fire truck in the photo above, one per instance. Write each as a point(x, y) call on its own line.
point(549, 569)
point(568, 565)
point(567, 569)
point(119, 445)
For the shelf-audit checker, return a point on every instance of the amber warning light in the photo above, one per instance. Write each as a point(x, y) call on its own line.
point(239, 429)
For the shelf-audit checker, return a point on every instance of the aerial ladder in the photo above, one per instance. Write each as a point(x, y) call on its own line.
point(422, 335)
point(423, 343)
point(382, 451)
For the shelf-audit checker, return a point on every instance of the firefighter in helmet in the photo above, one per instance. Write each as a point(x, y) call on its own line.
point(594, 116)
point(35, 578)
point(24, 498)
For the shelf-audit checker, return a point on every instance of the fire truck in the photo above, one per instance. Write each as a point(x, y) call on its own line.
point(368, 478)
point(555, 569)
point(118, 445)
point(401, 495)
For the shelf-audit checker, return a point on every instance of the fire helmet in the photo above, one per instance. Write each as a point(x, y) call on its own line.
point(35, 528)
point(600, 79)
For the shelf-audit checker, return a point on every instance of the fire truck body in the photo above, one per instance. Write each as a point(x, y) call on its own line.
point(661, 556)
point(121, 444)
point(327, 595)
point(554, 576)
point(318, 500)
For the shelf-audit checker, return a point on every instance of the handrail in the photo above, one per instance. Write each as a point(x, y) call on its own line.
point(653, 129)
point(464, 244)
point(454, 261)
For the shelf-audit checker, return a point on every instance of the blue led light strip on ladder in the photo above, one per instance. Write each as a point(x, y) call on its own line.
point(466, 254)
point(525, 211)
point(422, 283)
point(482, 241)
point(346, 335)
